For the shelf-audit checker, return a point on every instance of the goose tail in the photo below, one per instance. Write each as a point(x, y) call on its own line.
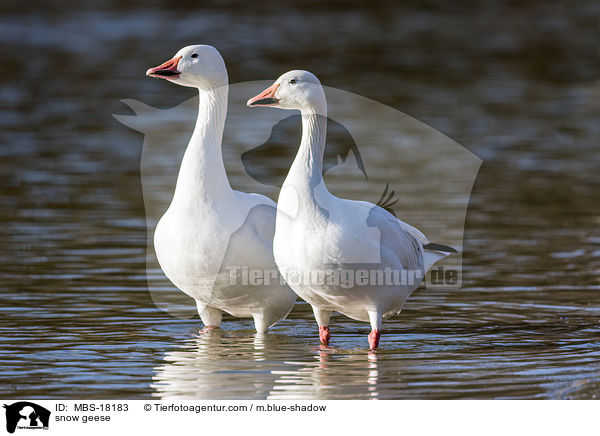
point(434, 252)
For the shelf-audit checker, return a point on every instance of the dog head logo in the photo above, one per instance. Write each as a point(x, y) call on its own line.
point(26, 415)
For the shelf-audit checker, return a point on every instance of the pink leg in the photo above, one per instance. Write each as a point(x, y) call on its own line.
point(324, 334)
point(322, 317)
point(208, 329)
point(374, 339)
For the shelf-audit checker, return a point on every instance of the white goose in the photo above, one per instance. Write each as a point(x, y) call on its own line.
point(210, 233)
point(321, 240)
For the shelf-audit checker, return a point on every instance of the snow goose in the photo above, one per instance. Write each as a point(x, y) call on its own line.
point(353, 257)
point(211, 235)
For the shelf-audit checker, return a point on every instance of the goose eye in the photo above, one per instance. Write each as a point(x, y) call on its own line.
point(195, 55)
point(292, 81)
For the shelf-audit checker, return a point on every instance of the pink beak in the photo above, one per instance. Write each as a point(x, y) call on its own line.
point(168, 70)
point(265, 98)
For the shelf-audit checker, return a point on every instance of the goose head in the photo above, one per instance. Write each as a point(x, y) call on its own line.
point(297, 89)
point(196, 66)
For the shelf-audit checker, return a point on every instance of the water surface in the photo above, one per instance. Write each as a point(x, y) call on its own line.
point(515, 84)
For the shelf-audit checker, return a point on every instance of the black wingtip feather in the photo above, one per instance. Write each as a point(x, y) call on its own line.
point(386, 201)
point(439, 247)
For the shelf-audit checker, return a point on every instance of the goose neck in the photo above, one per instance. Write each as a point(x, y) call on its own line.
point(308, 165)
point(202, 174)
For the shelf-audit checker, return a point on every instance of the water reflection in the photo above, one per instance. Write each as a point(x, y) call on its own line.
point(335, 374)
point(226, 365)
point(216, 365)
point(513, 351)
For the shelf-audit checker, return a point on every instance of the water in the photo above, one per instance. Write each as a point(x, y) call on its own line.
point(77, 319)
